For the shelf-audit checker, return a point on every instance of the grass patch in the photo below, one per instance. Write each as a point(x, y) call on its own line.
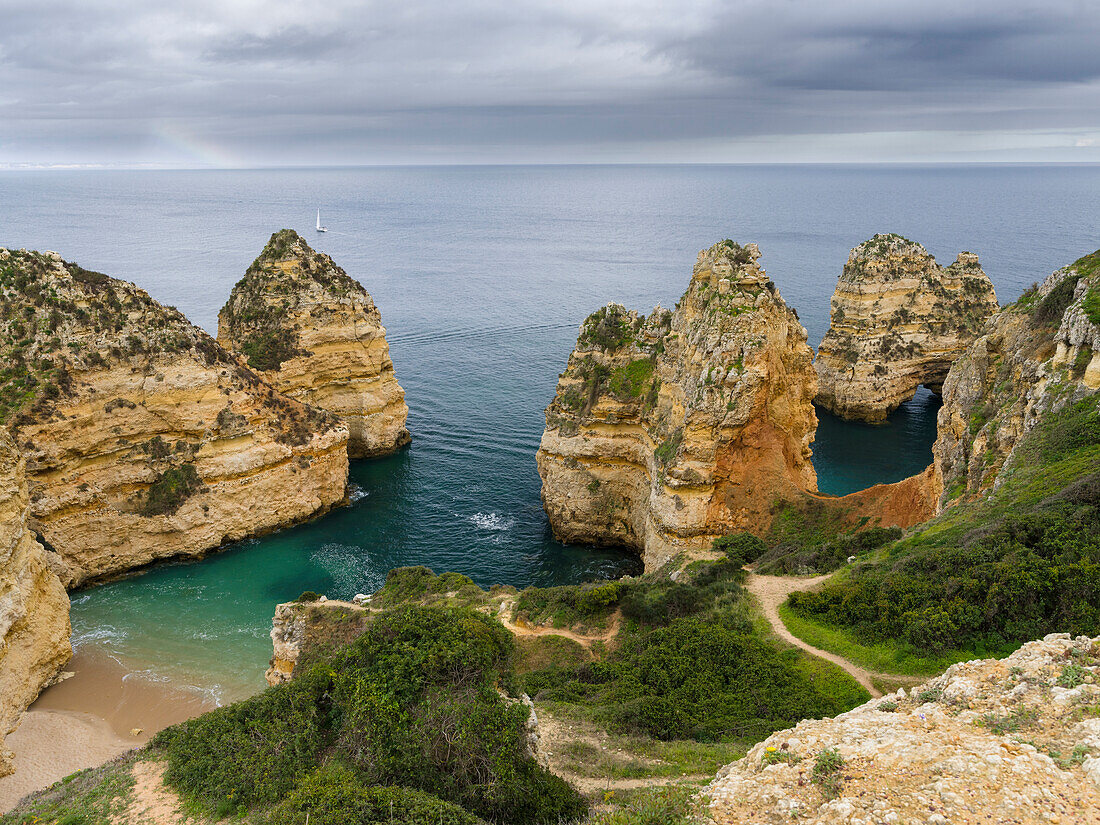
point(96, 796)
point(1091, 305)
point(666, 805)
point(632, 380)
point(882, 657)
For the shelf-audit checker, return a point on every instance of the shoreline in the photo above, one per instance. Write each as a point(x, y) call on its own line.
point(103, 710)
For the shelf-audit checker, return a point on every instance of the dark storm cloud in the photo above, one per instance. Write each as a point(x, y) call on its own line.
point(900, 47)
point(274, 81)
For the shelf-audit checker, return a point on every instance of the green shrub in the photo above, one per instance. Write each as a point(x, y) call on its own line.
point(412, 702)
point(409, 584)
point(632, 380)
point(827, 773)
point(308, 596)
point(740, 547)
point(253, 751)
point(667, 449)
point(334, 795)
point(170, 489)
point(695, 680)
point(824, 558)
point(993, 573)
point(606, 328)
point(1051, 309)
point(267, 349)
point(568, 604)
point(1091, 305)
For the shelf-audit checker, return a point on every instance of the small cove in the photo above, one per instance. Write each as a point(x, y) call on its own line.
point(482, 277)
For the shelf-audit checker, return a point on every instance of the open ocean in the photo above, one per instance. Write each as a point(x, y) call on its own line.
point(483, 275)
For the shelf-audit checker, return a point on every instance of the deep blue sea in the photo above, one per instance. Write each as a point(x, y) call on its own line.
point(482, 275)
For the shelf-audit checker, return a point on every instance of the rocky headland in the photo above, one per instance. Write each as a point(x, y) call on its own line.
point(144, 438)
point(34, 608)
point(1009, 740)
point(898, 320)
point(314, 333)
point(669, 430)
point(1036, 356)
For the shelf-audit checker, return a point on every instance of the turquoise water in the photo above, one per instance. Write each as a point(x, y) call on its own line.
point(483, 275)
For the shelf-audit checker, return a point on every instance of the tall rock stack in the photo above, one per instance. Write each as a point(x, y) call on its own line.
point(316, 335)
point(34, 609)
point(669, 430)
point(899, 320)
point(144, 438)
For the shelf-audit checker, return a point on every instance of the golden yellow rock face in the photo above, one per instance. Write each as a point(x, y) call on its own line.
point(671, 430)
point(144, 438)
point(316, 335)
point(1036, 355)
point(34, 608)
point(898, 321)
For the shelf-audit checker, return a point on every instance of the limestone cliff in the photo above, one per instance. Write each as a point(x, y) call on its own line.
point(999, 740)
point(671, 429)
point(144, 438)
point(316, 335)
point(1039, 354)
point(899, 320)
point(34, 609)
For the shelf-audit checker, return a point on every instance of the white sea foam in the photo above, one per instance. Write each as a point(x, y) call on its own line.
point(356, 493)
point(492, 521)
point(102, 633)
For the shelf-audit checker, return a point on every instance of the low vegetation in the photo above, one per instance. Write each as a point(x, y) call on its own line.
point(689, 665)
point(411, 705)
point(991, 573)
point(170, 489)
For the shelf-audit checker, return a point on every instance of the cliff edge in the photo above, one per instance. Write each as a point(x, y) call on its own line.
point(898, 320)
point(314, 333)
point(1038, 355)
point(1015, 738)
point(145, 439)
point(34, 608)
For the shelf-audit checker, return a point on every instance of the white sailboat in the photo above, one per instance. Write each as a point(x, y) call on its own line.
point(319, 227)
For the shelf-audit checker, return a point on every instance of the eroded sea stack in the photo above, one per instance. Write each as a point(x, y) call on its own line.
point(316, 335)
point(899, 320)
point(671, 429)
point(1040, 354)
point(144, 438)
point(34, 608)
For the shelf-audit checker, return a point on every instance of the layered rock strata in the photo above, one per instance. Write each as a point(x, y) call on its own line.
point(671, 429)
point(1037, 355)
point(1004, 740)
point(34, 608)
point(314, 333)
point(899, 320)
point(144, 438)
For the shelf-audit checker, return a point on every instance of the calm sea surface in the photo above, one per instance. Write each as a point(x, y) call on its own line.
point(483, 275)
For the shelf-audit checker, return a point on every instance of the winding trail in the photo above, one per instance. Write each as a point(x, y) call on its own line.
point(772, 591)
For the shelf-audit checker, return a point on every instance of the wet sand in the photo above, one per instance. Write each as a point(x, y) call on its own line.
point(88, 719)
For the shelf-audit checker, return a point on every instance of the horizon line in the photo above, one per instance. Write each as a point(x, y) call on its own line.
point(168, 167)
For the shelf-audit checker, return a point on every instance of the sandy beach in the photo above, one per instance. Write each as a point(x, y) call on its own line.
point(89, 718)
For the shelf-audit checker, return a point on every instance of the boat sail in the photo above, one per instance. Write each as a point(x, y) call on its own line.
point(319, 227)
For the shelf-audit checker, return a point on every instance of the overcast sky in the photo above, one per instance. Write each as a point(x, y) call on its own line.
point(272, 82)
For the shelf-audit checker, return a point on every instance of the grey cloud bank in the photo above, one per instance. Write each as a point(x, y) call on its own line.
point(242, 82)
